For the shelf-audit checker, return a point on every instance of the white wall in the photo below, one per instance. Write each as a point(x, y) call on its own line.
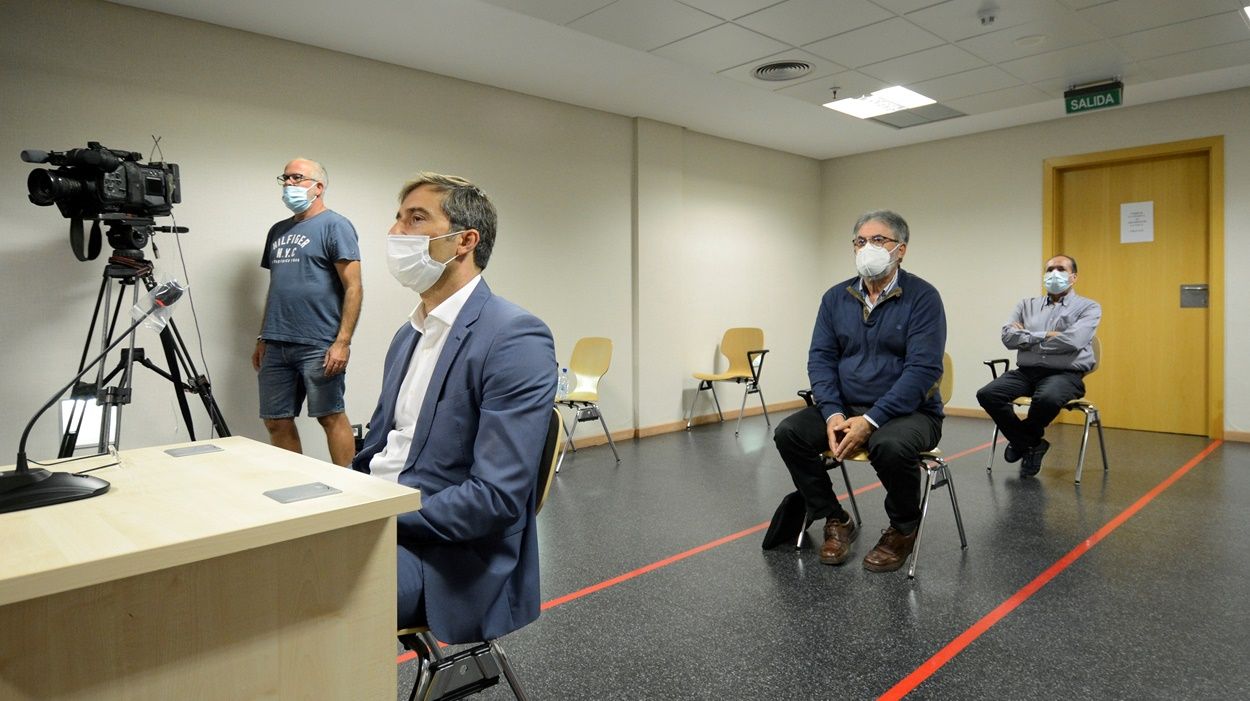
point(725, 232)
point(974, 207)
point(733, 226)
point(231, 109)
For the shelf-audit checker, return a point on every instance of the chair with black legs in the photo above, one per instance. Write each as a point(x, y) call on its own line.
point(744, 348)
point(447, 677)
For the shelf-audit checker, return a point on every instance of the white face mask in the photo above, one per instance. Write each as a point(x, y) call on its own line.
point(873, 262)
point(408, 259)
point(1057, 281)
point(296, 198)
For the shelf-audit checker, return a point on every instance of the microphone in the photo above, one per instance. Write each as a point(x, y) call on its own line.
point(24, 488)
point(31, 155)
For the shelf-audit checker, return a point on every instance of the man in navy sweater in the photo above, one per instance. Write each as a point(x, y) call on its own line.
point(874, 365)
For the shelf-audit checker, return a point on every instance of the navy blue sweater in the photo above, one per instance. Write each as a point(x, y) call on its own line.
point(889, 359)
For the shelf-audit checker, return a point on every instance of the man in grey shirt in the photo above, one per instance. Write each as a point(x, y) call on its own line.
point(1054, 336)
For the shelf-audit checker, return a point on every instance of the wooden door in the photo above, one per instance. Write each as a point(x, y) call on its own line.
point(1156, 369)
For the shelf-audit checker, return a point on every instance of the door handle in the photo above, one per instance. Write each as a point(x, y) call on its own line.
point(1194, 296)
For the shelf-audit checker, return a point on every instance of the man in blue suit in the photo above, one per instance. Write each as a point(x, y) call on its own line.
point(466, 399)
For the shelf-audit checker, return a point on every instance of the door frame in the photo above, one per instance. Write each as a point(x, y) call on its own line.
point(1213, 147)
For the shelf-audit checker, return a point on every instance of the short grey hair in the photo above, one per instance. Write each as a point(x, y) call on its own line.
point(319, 171)
point(465, 205)
point(897, 224)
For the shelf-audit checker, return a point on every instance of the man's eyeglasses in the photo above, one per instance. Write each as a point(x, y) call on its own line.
point(294, 178)
point(877, 241)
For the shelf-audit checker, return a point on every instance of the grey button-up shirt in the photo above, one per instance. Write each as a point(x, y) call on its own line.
point(1073, 316)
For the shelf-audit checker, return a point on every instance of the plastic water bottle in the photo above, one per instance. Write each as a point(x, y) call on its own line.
point(562, 385)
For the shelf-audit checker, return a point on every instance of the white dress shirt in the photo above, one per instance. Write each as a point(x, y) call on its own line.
point(434, 327)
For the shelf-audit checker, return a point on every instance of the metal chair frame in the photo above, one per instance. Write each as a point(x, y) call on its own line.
point(1092, 418)
point(936, 475)
point(587, 371)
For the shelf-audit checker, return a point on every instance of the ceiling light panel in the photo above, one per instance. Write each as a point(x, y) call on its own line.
point(820, 90)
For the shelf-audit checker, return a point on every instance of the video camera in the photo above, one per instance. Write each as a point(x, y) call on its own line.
point(104, 184)
point(96, 180)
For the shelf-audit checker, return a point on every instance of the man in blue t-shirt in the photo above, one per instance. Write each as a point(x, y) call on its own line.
point(310, 313)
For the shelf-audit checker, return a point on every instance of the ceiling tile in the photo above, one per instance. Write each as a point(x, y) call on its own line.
point(959, 19)
point(973, 82)
point(1057, 32)
point(1128, 16)
point(1208, 59)
point(1000, 100)
point(820, 68)
point(721, 47)
point(644, 24)
point(923, 65)
point(820, 90)
point(725, 9)
point(1185, 36)
point(875, 43)
point(555, 11)
point(902, 7)
point(1081, 4)
point(799, 22)
point(1076, 62)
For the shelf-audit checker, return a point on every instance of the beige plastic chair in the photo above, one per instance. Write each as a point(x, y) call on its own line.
point(487, 661)
point(744, 347)
point(591, 357)
point(936, 473)
point(1092, 418)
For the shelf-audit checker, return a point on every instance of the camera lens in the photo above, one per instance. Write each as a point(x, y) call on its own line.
point(46, 187)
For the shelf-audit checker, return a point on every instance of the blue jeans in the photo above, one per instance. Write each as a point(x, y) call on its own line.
point(291, 372)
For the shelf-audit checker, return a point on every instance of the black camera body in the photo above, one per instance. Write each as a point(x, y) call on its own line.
point(95, 181)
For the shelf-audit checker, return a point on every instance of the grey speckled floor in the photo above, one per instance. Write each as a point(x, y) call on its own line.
point(1156, 610)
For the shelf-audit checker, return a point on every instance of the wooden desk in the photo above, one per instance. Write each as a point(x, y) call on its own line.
point(184, 581)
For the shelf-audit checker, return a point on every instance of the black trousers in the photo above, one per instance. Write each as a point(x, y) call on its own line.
point(1048, 389)
point(894, 450)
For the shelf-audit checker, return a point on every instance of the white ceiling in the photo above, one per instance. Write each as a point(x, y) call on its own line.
point(689, 62)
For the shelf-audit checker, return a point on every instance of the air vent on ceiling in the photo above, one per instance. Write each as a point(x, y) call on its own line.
point(782, 70)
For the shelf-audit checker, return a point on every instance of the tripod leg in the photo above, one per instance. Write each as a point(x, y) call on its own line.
point(167, 342)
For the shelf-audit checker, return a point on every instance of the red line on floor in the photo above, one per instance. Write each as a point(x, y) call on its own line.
point(585, 591)
point(953, 648)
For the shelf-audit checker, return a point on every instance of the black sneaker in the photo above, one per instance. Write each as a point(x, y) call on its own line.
point(1032, 462)
point(1012, 454)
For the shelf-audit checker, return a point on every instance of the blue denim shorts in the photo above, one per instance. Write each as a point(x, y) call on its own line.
point(289, 372)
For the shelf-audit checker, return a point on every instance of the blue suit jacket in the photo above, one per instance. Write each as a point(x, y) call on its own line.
point(475, 457)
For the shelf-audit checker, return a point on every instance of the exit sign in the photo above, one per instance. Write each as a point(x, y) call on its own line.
point(1093, 98)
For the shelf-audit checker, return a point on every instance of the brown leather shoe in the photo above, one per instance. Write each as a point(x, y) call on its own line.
point(891, 551)
point(838, 538)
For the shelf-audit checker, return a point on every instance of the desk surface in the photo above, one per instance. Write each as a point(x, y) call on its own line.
point(163, 511)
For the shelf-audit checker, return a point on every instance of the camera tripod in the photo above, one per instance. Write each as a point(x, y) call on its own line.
point(127, 267)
